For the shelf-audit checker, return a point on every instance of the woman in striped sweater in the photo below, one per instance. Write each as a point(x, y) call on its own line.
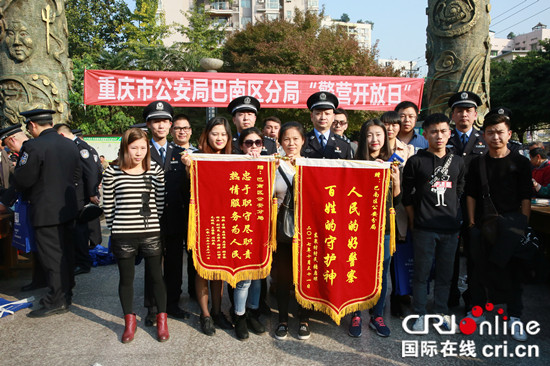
point(133, 200)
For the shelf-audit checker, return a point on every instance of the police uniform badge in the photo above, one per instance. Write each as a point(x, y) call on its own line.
point(464, 95)
point(322, 96)
point(501, 111)
point(84, 153)
point(23, 159)
point(247, 100)
point(160, 106)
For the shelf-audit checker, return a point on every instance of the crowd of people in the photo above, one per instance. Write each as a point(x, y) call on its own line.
point(440, 181)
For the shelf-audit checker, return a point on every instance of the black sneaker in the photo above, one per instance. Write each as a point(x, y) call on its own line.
point(281, 332)
point(221, 321)
point(303, 331)
point(207, 325)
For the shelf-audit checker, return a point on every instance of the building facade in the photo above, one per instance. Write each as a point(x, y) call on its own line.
point(235, 14)
point(510, 48)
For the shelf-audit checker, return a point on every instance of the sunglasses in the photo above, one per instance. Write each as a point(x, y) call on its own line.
point(250, 143)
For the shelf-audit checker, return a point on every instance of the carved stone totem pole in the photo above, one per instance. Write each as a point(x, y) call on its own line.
point(457, 51)
point(35, 69)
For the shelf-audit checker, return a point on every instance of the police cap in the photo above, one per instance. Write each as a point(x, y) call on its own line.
point(158, 110)
point(37, 115)
point(8, 131)
point(322, 100)
point(503, 111)
point(244, 103)
point(464, 99)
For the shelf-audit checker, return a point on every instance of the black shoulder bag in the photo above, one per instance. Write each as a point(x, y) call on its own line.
point(285, 216)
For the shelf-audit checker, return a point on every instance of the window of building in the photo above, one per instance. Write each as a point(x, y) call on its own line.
point(245, 21)
point(312, 3)
point(289, 14)
point(246, 4)
point(273, 4)
point(272, 16)
point(494, 53)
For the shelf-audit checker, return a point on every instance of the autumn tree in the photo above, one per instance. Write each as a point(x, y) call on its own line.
point(523, 85)
point(301, 47)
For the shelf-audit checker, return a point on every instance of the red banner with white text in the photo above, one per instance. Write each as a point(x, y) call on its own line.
point(231, 216)
point(339, 241)
point(208, 89)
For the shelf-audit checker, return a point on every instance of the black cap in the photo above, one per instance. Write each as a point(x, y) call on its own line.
point(158, 110)
point(322, 100)
point(77, 132)
point(36, 115)
point(501, 111)
point(244, 103)
point(464, 99)
point(8, 131)
point(141, 126)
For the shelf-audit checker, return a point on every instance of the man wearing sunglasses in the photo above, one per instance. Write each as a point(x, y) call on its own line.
point(322, 142)
point(244, 111)
point(340, 125)
point(158, 116)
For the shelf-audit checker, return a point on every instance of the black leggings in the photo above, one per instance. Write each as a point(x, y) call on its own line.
point(282, 259)
point(126, 267)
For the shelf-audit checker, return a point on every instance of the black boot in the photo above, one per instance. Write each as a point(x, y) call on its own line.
point(253, 318)
point(240, 327)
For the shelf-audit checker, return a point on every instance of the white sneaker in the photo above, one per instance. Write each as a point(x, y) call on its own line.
point(448, 323)
point(517, 329)
point(418, 325)
point(477, 319)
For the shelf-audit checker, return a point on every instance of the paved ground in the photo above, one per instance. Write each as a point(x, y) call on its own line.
point(90, 335)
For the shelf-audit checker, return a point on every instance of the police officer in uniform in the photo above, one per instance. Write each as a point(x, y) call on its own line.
point(91, 178)
point(322, 142)
point(467, 142)
point(47, 173)
point(158, 117)
point(244, 111)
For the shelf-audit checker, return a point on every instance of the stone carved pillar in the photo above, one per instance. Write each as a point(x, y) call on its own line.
point(35, 69)
point(457, 51)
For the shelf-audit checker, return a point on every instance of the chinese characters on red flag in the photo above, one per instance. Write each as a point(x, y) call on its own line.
point(340, 223)
point(230, 216)
point(206, 89)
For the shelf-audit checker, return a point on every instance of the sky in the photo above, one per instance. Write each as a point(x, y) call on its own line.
point(400, 25)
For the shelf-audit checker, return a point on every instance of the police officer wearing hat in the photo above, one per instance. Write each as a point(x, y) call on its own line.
point(322, 142)
point(47, 173)
point(158, 117)
point(89, 193)
point(466, 141)
point(244, 110)
point(513, 145)
point(6, 166)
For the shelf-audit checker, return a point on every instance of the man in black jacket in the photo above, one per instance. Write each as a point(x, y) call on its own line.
point(48, 173)
point(433, 181)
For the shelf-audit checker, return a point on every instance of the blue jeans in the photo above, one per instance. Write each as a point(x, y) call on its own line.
point(247, 295)
point(378, 309)
point(428, 245)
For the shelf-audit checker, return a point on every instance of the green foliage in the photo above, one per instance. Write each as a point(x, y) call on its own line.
point(344, 18)
point(523, 85)
point(95, 26)
point(301, 47)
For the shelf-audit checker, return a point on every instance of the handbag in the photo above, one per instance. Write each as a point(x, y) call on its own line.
point(285, 216)
point(23, 232)
point(403, 262)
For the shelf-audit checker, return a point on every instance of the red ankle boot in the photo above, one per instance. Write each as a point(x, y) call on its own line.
point(162, 328)
point(130, 328)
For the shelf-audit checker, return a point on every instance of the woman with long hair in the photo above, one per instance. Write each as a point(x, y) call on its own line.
point(133, 201)
point(215, 139)
point(374, 146)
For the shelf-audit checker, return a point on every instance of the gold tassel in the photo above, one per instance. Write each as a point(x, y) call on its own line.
point(392, 231)
point(273, 239)
point(192, 221)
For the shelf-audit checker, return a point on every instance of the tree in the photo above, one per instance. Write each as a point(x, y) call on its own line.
point(95, 26)
point(301, 47)
point(345, 18)
point(523, 85)
point(511, 35)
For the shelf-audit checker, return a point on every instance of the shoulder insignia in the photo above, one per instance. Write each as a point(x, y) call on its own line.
point(23, 159)
point(85, 154)
point(269, 138)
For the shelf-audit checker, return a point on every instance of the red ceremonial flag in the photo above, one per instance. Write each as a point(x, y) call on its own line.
point(339, 234)
point(231, 214)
